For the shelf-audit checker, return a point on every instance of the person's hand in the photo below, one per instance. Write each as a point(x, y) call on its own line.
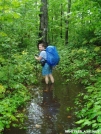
point(36, 57)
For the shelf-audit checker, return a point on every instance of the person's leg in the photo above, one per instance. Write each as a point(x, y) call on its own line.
point(47, 72)
point(46, 79)
point(51, 78)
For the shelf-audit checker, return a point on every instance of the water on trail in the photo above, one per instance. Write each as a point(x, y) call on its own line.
point(42, 113)
point(50, 110)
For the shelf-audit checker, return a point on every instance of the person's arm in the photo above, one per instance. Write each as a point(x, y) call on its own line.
point(38, 58)
point(41, 56)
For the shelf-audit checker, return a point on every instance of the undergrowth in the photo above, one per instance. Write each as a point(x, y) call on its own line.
point(83, 65)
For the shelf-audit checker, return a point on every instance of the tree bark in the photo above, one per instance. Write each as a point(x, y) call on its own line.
point(43, 29)
point(61, 21)
point(67, 22)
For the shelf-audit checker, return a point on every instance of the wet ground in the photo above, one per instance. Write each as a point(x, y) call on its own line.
point(42, 112)
point(50, 111)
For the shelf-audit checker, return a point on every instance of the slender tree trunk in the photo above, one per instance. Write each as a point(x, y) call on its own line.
point(61, 21)
point(43, 30)
point(67, 22)
point(52, 30)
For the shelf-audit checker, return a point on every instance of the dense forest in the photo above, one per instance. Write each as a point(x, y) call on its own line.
point(74, 27)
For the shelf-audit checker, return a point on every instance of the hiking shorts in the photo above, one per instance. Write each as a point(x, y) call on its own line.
point(46, 70)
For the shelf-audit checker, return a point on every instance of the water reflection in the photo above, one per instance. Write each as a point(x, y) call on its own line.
point(45, 114)
point(42, 112)
point(48, 94)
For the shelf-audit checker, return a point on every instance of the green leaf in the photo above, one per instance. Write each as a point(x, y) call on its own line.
point(96, 49)
point(99, 118)
point(1, 126)
point(87, 122)
point(80, 121)
point(16, 15)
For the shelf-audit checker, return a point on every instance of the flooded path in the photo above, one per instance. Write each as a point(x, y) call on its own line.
point(50, 111)
point(42, 112)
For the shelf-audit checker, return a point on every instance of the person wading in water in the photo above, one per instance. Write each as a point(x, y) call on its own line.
point(46, 69)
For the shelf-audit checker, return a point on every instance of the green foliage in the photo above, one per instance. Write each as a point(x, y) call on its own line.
point(18, 36)
point(17, 24)
point(18, 69)
point(90, 113)
point(15, 72)
point(84, 23)
point(9, 106)
point(2, 91)
point(82, 65)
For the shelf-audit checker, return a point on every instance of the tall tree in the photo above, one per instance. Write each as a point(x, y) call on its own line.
point(67, 22)
point(43, 21)
point(61, 20)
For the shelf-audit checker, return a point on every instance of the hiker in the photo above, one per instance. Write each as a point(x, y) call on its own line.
point(46, 69)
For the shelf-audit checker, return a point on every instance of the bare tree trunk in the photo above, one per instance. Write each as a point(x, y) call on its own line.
point(67, 22)
point(43, 30)
point(61, 21)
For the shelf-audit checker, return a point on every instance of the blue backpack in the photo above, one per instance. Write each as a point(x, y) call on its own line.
point(53, 57)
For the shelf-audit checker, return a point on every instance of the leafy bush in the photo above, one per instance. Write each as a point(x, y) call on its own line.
point(2, 91)
point(9, 106)
point(80, 63)
point(18, 69)
point(16, 72)
point(90, 113)
point(83, 65)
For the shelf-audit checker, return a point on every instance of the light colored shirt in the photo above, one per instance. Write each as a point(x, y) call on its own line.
point(43, 55)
